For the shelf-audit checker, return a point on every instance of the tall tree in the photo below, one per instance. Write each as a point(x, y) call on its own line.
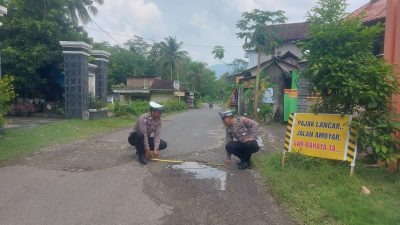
point(30, 44)
point(238, 65)
point(153, 58)
point(349, 78)
point(138, 45)
point(253, 27)
point(80, 10)
point(171, 54)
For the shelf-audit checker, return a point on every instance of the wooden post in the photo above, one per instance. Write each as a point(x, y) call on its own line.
point(352, 169)
point(283, 158)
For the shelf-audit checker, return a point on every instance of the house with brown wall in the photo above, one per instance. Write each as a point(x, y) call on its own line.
point(146, 88)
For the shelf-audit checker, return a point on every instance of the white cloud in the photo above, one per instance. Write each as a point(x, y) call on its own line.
point(242, 5)
point(200, 22)
point(128, 18)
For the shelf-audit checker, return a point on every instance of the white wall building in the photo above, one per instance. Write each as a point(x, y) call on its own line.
point(290, 34)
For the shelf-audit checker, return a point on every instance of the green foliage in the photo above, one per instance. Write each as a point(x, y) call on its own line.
point(379, 133)
point(249, 101)
point(30, 36)
point(138, 107)
point(238, 65)
point(218, 52)
point(258, 36)
point(170, 54)
point(264, 110)
point(173, 105)
point(349, 78)
point(138, 45)
point(206, 98)
point(254, 32)
point(95, 103)
point(197, 100)
point(124, 63)
point(7, 94)
point(80, 10)
point(135, 108)
point(318, 191)
point(140, 58)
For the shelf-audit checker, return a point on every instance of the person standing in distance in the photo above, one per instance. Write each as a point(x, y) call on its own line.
point(244, 130)
point(140, 136)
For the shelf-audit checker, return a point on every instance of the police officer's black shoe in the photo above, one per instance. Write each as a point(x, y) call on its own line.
point(244, 165)
point(142, 159)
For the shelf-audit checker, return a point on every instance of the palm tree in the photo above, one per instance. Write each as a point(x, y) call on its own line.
point(81, 10)
point(171, 54)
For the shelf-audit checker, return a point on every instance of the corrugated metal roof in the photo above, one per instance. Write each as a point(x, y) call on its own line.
point(162, 85)
point(290, 31)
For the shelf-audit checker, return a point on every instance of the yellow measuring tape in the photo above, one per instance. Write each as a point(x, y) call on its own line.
point(181, 161)
point(168, 160)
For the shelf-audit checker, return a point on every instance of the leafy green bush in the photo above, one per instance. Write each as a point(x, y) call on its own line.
point(206, 98)
point(110, 107)
point(135, 108)
point(264, 110)
point(248, 102)
point(6, 95)
point(138, 107)
point(197, 100)
point(173, 105)
point(95, 103)
point(349, 78)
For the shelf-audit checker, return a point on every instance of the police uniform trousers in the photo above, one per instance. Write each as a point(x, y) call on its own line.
point(137, 139)
point(242, 150)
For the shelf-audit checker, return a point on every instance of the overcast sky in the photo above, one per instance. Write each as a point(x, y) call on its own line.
point(200, 24)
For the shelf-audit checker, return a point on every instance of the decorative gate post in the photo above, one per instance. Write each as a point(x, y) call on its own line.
point(101, 60)
point(76, 55)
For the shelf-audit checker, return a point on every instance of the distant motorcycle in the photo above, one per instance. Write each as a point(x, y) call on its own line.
point(210, 105)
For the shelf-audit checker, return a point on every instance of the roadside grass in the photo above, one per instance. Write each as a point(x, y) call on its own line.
point(17, 142)
point(318, 191)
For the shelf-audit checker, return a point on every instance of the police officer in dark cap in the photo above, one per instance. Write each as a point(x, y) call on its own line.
point(244, 130)
point(140, 136)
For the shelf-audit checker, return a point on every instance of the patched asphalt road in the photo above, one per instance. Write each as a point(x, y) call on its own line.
point(98, 181)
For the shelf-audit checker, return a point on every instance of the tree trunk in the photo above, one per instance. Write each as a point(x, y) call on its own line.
point(170, 66)
point(177, 77)
point(257, 94)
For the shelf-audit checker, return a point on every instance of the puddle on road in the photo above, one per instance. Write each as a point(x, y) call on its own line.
point(201, 171)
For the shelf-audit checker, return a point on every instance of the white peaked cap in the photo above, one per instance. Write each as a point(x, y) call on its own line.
point(155, 105)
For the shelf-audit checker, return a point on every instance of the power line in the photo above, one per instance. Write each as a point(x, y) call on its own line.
point(152, 40)
point(105, 32)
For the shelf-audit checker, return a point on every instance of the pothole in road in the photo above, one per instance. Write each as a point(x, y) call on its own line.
point(201, 171)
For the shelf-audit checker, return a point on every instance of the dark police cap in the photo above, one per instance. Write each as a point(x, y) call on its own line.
point(154, 106)
point(225, 114)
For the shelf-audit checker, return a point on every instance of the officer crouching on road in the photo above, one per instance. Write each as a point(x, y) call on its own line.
point(140, 137)
point(244, 130)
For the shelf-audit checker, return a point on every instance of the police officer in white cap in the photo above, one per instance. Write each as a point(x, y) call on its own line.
point(244, 130)
point(148, 124)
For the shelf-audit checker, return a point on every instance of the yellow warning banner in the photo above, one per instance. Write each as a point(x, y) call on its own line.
point(321, 135)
